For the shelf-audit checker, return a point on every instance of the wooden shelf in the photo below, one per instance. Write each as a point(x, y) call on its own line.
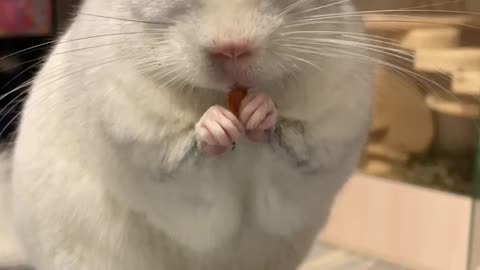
point(453, 106)
point(383, 151)
point(447, 60)
point(431, 38)
point(466, 82)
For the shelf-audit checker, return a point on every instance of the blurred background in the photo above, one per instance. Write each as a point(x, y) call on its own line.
point(414, 203)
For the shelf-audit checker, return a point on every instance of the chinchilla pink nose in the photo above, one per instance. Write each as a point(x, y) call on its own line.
point(231, 51)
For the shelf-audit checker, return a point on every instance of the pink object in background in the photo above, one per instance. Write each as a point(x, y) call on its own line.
point(25, 17)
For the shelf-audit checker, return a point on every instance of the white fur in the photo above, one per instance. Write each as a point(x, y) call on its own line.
point(104, 173)
point(11, 253)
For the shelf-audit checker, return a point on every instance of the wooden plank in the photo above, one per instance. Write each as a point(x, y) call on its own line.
point(399, 22)
point(453, 106)
point(472, 5)
point(431, 38)
point(386, 152)
point(447, 60)
point(410, 226)
point(466, 82)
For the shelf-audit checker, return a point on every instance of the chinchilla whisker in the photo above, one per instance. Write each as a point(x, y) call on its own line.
point(41, 45)
point(336, 52)
point(166, 22)
point(322, 7)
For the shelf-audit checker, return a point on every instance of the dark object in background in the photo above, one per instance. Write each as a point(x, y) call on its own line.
point(64, 11)
point(13, 75)
point(26, 18)
point(18, 70)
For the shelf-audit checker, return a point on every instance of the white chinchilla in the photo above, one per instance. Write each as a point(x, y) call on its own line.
point(124, 155)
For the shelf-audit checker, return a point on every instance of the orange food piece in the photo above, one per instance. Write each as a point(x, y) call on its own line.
point(235, 98)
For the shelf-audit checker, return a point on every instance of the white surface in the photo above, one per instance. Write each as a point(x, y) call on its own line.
point(411, 226)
